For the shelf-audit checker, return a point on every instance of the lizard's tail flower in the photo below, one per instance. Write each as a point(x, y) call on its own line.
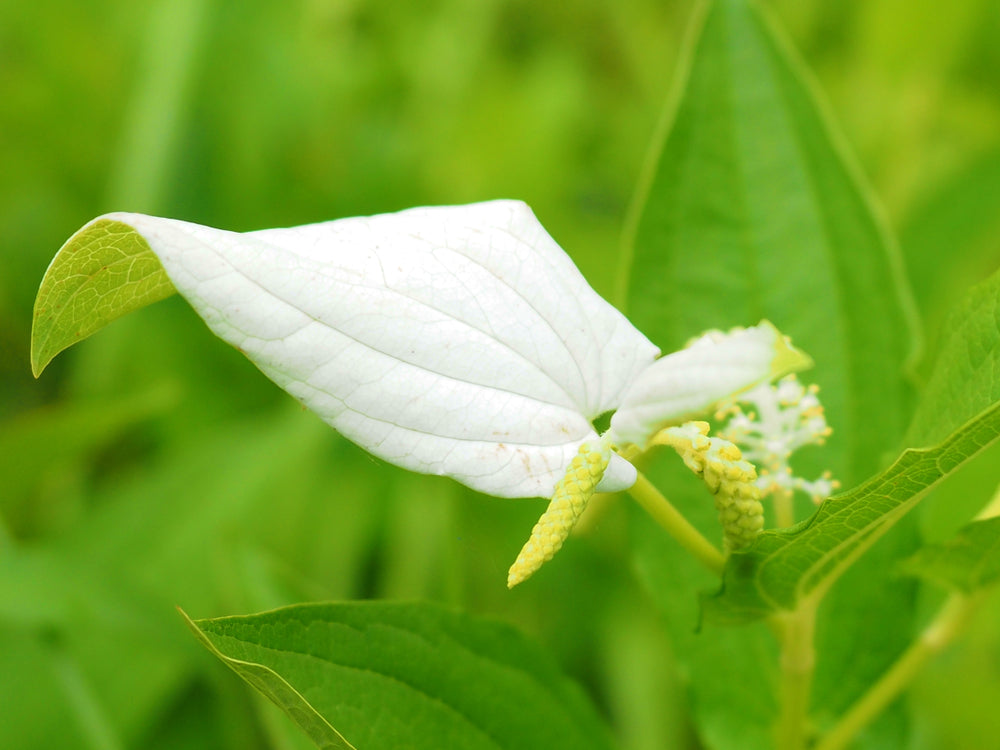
point(729, 477)
point(569, 500)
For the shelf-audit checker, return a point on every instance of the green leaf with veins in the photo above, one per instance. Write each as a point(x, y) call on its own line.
point(964, 380)
point(102, 272)
point(968, 561)
point(786, 567)
point(752, 209)
point(391, 675)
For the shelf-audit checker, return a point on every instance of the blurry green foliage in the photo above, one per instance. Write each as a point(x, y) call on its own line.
point(151, 468)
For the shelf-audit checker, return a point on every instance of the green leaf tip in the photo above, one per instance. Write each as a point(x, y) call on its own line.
point(275, 688)
point(415, 675)
point(102, 272)
point(787, 359)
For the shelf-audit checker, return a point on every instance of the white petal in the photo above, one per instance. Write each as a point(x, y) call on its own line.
point(454, 340)
point(690, 381)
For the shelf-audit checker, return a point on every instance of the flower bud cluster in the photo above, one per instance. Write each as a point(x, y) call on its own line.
point(729, 477)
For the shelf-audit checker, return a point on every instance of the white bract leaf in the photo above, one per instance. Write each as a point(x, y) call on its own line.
point(459, 341)
point(690, 381)
point(456, 340)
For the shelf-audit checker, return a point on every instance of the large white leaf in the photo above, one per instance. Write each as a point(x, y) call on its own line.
point(454, 340)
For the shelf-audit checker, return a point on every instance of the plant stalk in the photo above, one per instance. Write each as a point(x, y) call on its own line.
point(665, 514)
point(784, 508)
point(798, 662)
point(942, 629)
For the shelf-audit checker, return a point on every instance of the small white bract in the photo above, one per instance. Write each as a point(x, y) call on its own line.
point(458, 340)
point(785, 416)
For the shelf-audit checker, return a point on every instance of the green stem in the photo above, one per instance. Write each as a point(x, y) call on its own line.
point(798, 661)
point(784, 508)
point(665, 514)
point(947, 623)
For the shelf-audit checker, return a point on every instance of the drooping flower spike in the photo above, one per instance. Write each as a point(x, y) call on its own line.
point(459, 341)
point(728, 475)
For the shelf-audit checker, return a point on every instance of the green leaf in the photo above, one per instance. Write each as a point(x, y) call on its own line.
point(753, 210)
point(960, 215)
point(964, 381)
point(785, 567)
point(404, 675)
point(968, 561)
point(103, 271)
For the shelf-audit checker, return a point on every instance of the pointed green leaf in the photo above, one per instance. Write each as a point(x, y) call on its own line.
point(968, 561)
point(753, 210)
point(404, 675)
point(785, 567)
point(103, 271)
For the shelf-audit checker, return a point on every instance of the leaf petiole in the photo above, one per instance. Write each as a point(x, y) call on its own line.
point(796, 632)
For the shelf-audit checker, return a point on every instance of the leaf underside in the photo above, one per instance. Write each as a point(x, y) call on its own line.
point(102, 272)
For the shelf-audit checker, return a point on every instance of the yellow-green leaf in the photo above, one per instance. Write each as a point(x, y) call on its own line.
point(102, 272)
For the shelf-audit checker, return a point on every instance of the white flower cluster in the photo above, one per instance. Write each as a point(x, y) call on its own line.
point(784, 417)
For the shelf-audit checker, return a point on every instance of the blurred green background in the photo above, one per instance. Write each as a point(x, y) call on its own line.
point(153, 467)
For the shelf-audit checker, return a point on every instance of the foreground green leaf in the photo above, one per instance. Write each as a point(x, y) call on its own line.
point(387, 675)
point(102, 272)
point(968, 561)
point(786, 567)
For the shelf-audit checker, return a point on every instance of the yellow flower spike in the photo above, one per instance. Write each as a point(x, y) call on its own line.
point(726, 474)
point(569, 500)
